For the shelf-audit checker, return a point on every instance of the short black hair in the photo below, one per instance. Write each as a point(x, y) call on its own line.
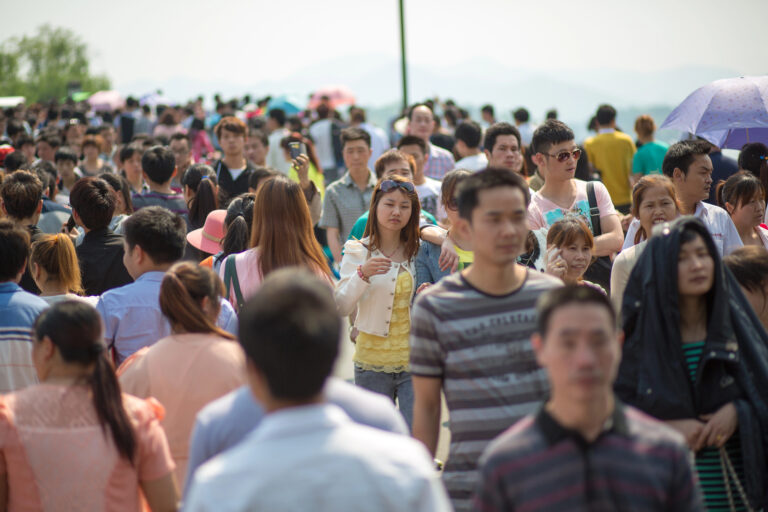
point(290, 332)
point(497, 129)
point(179, 136)
point(50, 138)
point(521, 115)
point(468, 194)
point(412, 140)
point(605, 115)
point(680, 155)
point(260, 173)
point(93, 201)
point(15, 161)
point(128, 150)
point(64, 153)
point(158, 163)
point(46, 171)
point(14, 127)
point(753, 157)
point(14, 249)
point(487, 109)
point(557, 298)
point(261, 135)
point(159, 232)
point(278, 115)
point(470, 133)
point(23, 140)
point(22, 192)
point(551, 114)
point(352, 134)
point(549, 133)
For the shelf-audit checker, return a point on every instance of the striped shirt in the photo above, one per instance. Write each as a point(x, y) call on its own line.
point(174, 202)
point(636, 463)
point(479, 345)
point(439, 162)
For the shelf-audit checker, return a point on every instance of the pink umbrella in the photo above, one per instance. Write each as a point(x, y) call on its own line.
point(337, 94)
point(106, 100)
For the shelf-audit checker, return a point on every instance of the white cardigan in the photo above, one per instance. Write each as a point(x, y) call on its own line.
point(373, 300)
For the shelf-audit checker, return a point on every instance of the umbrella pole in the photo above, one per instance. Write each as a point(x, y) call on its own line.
point(747, 135)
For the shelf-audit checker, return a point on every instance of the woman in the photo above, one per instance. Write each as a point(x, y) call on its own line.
point(201, 143)
point(235, 233)
point(196, 364)
point(201, 195)
point(749, 265)
point(377, 280)
point(123, 202)
point(74, 442)
point(569, 251)
point(315, 170)
point(168, 125)
point(91, 148)
point(428, 269)
point(696, 358)
point(281, 237)
point(753, 158)
point(654, 201)
point(53, 264)
point(743, 197)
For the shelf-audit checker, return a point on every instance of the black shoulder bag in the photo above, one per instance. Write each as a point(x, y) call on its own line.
point(599, 272)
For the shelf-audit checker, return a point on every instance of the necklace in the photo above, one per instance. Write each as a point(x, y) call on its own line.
point(391, 254)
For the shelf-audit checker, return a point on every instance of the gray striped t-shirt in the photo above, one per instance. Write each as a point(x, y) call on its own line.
point(479, 344)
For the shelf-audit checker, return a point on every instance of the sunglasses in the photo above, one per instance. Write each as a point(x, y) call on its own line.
point(388, 185)
point(565, 155)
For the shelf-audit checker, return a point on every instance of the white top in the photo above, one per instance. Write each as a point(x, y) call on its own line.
point(429, 194)
point(718, 223)
point(476, 162)
point(320, 131)
point(275, 157)
point(315, 458)
point(379, 142)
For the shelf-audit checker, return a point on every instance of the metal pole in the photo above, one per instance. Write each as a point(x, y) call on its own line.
point(404, 67)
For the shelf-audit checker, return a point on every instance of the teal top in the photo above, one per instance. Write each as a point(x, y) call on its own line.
point(649, 157)
point(708, 459)
point(359, 228)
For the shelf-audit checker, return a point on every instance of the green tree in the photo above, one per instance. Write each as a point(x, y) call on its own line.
point(39, 67)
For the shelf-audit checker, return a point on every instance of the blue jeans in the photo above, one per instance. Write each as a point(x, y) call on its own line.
point(394, 385)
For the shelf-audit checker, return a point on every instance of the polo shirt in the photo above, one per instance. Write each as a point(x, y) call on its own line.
point(344, 203)
point(649, 158)
point(636, 463)
point(611, 152)
point(18, 312)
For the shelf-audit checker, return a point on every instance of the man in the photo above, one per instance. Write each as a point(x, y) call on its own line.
point(101, 253)
point(379, 139)
point(522, 122)
point(611, 152)
point(307, 452)
point(22, 201)
point(107, 132)
point(25, 144)
point(421, 123)
point(321, 131)
point(723, 167)
point(556, 154)
point(126, 121)
point(276, 119)
point(347, 198)
point(18, 310)
point(53, 215)
point(256, 148)
point(468, 137)
point(179, 146)
point(470, 332)
point(47, 145)
point(427, 188)
point(158, 165)
point(687, 163)
point(503, 147)
point(650, 152)
point(488, 115)
point(233, 170)
point(634, 462)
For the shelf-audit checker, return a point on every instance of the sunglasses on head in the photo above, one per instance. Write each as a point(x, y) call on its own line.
point(565, 155)
point(388, 185)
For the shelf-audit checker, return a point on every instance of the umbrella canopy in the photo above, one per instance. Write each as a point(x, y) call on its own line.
point(736, 138)
point(106, 100)
point(286, 103)
point(714, 110)
point(154, 99)
point(337, 94)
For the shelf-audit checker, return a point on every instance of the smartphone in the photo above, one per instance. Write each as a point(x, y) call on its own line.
point(71, 223)
point(296, 148)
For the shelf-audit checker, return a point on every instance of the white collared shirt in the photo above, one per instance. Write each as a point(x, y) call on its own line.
point(718, 223)
point(315, 458)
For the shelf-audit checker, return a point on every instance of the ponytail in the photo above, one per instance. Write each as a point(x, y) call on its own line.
point(719, 194)
point(201, 179)
point(57, 256)
point(108, 402)
point(238, 222)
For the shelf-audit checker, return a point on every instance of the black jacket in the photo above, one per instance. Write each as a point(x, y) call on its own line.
point(734, 365)
point(101, 262)
point(229, 188)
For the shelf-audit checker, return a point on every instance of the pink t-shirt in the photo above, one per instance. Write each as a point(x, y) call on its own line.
point(184, 372)
point(55, 456)
point(542, 212)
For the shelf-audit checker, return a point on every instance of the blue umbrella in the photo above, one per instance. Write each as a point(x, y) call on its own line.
point(286, 103)
point(725, 111)
point(736, 138)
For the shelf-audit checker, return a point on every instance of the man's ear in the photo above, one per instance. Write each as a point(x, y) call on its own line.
point(538, 159)
point(487, 154)
point(2, 205)
point(678, 175)
point(537, 342)
point(464, 228)
point(39, 207)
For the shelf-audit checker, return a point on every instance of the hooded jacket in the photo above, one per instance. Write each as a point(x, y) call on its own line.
point(734, 366)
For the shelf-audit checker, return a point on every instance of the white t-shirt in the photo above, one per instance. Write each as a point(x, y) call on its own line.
point(321, 134)
point(542, 212)
point(429, 196)
point(718, 223)
point(476, 162)
point(235, 173)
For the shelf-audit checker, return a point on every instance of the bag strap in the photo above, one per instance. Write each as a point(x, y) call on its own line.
point(594, 210)
point(230, 277)
point(730, 474)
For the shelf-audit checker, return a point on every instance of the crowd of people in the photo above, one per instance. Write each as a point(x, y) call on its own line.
point(175, 285)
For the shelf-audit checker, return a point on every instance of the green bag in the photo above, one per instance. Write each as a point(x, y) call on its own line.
point(230, 279)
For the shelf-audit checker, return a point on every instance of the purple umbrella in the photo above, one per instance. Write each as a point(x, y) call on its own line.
point(736, 138)
point(722, 107)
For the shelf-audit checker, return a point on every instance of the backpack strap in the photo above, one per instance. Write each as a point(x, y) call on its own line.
point(594, 211)
point(230, 278)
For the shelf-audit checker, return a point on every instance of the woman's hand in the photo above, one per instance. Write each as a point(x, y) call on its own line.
point(375, 267)
point(719, 427)
point(301, 164)
point(555, 265)
point(448, 257)
point(423, 287)
point(691, 430)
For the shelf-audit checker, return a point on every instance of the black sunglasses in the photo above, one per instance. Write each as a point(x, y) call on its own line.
point(388, 185)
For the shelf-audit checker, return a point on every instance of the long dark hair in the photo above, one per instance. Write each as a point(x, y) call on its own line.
point(409, 235)
point(238, 224)
point(74, 327)
point(201, 179)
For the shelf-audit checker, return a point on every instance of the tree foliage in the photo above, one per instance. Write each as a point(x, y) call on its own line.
point(41, 66)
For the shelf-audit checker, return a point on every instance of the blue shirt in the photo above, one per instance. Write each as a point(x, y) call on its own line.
point(18, 312)
point(223, 423)
point(132, 316)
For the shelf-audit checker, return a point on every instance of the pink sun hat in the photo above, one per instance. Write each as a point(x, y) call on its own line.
point(208, 238)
